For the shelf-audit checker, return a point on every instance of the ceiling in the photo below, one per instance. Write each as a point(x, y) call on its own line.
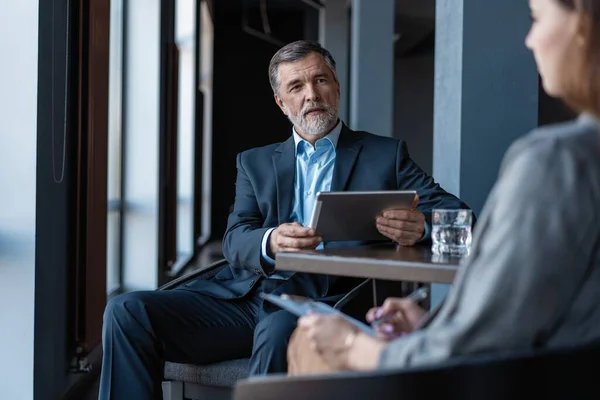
point(409, 8)
point(415, 25)
point(416, 8)
point(415, 19)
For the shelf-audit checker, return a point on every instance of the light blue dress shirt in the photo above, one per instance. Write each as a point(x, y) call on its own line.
point(314, 171)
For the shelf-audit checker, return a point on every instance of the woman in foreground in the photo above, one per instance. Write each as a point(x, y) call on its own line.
point(533, 277)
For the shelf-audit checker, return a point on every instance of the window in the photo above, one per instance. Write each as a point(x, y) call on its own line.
point(115, 149)
point(206, 90)
point(185, 40)
point(155, 141)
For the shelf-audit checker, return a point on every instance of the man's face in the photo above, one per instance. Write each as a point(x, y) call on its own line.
point(309, 95)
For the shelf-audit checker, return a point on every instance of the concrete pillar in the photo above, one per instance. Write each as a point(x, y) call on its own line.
point(486, 94)
point(372, 66)
point(334, 35)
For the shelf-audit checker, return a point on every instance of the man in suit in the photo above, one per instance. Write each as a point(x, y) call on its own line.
point(224, 318)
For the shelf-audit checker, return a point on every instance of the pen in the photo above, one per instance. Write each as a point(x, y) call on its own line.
point(417, 296)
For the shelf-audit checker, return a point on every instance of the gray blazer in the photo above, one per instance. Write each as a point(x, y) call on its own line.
point(533, 276)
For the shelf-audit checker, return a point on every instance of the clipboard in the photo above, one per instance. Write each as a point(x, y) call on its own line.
point(301, 306)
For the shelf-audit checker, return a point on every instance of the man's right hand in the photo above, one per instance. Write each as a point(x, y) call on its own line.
point(405, 314)
point(292, 237)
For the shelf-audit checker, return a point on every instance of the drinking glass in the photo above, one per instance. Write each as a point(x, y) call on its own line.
point(451, 232)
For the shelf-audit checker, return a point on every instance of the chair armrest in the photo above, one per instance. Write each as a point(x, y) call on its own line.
point(380, 385)
point(203, 273)
point(562, 373)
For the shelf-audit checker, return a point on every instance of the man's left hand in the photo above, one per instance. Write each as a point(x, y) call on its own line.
point(406, 227)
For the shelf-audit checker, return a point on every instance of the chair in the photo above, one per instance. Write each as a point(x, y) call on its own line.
point(555, 374)
point(198, 382)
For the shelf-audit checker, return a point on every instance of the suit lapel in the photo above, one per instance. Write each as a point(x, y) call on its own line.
point(347, 151)
point(284, 162)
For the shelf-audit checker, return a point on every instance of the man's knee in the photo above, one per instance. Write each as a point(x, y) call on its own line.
point(275, 330)
point(271, 337)
point(125, 308)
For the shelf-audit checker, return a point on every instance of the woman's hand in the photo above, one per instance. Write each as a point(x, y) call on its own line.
point(341, 344)
point(404, 315)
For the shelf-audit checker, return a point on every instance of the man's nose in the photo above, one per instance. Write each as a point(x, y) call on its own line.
point(312, 95)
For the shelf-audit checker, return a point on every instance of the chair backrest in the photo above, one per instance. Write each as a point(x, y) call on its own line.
point(556, 374)
point(561, 373)
point(203, 273)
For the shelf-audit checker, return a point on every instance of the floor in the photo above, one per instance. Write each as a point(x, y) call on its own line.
point(92, 394)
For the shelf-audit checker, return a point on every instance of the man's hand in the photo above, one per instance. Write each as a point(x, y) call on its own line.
point(292, 237)
point(406, 227)
point(404, 316)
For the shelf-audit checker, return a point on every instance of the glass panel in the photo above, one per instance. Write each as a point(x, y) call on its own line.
point(114, 100)
point(141, 104)
point(206, 86)
point(113, 281)
point(115, 141)
point(185, 38)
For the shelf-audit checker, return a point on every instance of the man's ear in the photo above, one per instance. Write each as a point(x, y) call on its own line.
point(279, 103)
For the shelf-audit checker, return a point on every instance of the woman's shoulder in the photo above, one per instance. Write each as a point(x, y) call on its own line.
point(573, 132)
point(548, 171)
point(549, 145)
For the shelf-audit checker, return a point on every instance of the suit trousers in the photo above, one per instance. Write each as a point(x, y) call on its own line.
point(143, 329)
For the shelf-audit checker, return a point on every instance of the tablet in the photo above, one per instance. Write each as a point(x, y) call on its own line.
point(301, 306)
point(343, 216)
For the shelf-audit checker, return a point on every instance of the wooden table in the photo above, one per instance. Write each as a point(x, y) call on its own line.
point(410, 264)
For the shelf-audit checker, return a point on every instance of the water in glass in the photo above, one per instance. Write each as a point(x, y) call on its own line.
point(451, 232)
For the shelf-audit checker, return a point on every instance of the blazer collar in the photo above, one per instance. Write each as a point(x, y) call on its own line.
point(347, 151)
point(284, 162)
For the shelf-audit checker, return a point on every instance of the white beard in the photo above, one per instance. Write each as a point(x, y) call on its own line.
point(317, 124)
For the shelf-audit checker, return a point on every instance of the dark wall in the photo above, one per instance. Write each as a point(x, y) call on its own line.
point(413, 105)
point(244, 112)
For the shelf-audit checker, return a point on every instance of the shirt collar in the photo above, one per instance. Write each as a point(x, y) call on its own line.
point(332, 137)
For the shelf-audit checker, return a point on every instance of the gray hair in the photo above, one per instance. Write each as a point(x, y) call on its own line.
point(296, 51)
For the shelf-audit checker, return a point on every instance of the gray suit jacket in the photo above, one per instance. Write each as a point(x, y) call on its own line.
point(533, 277)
